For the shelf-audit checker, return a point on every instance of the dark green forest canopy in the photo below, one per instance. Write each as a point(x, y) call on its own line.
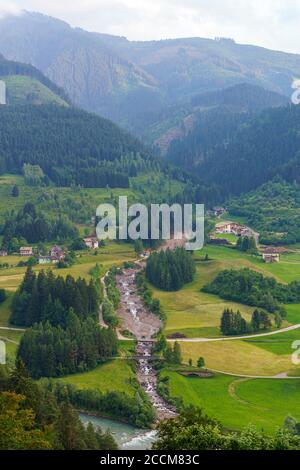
point(44, 297)
point(170, 270)
point(273, 210)
point(70, 145)
point(252, 288)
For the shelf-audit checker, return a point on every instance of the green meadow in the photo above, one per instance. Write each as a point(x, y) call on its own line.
point(114, 375)
point(236, 402)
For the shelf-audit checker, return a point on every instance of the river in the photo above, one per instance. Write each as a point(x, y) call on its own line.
point(126, 436)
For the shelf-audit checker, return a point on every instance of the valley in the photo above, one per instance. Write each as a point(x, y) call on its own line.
point(139, 343)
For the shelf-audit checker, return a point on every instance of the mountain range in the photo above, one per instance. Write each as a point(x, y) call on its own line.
point(140, 84)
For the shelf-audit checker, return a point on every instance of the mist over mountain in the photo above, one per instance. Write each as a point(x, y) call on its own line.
point(134, 82)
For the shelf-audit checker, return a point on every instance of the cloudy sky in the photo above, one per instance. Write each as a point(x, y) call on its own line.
point(270, 23)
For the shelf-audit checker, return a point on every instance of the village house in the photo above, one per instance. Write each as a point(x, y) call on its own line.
point(57, 254)
point(91, 242)
point(271, 255)
point(3, 253)
point(26, 251)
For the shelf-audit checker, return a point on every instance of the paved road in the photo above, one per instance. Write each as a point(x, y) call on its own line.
point(8, 328)
point(234, 338)
point(282, 376)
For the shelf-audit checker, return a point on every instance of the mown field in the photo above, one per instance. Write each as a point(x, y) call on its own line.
point(244, 357)
point(238, 402)
point(114, 375)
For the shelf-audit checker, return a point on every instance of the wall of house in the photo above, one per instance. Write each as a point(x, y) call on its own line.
point(2, 92)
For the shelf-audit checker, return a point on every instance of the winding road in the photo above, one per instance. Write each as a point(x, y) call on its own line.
point(235, 338)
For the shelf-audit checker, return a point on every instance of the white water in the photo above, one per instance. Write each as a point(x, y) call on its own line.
point(126, 436)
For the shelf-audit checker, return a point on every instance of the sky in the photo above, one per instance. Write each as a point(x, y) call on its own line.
point(273, 24)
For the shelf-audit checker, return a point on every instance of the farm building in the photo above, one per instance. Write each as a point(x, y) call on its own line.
point(26, 251)
point(57, 254)
point(271, 255)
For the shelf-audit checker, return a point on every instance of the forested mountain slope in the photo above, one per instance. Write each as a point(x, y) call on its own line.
point(267, 146)
point(215, 117)
point(273, 210)
point(70, 145)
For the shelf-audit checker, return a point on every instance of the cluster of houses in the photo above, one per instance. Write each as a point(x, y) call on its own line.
point(236, 229)
point(56, 253)
point(269, 254)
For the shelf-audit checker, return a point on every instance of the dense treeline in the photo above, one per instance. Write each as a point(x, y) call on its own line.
point(70, 146)
point(32, 226)
point(170, 270)
point(193, 430)
point(9, 67)
point(43, 297)
point(49, 351)
point(273, 210)
point(252, 288)
point(32, 418)
point(232, 323)
point(136, 410)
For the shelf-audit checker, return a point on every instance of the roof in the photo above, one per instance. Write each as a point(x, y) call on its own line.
point(26, 248)
point(271, 251)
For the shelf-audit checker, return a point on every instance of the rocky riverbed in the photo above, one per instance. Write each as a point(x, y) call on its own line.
point(143, 324)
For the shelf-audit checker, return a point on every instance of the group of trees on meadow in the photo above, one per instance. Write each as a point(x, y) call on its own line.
point(32, 226)
point(169, 270)
point(31, 418)
point(44, 297)
point(247, 244)
point(252, 288)
point(233, 323)
point(49, 351)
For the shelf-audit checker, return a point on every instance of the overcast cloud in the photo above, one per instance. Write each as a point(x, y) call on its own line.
point(271, 23)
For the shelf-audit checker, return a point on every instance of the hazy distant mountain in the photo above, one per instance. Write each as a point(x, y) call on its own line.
point(192, 129)
point(134, 82)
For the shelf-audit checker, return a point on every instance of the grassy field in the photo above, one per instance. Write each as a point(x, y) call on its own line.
point(242, 357)
point(236, 402)
point(23, 90)
point(115, 375)
point(197, 314)
point(280, 344)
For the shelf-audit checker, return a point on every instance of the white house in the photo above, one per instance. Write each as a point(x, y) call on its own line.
point(91, 242)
